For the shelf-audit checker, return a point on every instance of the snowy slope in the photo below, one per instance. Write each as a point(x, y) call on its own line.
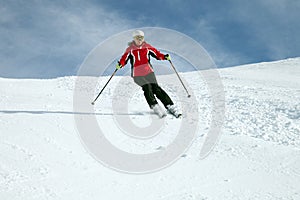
point(257, 156)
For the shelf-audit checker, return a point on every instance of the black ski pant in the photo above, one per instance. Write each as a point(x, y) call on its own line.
point(152, 89)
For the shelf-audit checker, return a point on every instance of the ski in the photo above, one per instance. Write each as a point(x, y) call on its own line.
point(176, 115)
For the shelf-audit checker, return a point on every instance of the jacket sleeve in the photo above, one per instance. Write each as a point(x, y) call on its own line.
point(125, 57)
point(155, 53)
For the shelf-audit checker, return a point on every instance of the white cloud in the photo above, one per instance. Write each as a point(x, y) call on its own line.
point(54, 34)
point(36, 34)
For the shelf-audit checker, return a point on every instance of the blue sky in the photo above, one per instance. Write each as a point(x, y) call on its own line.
point(46, 39)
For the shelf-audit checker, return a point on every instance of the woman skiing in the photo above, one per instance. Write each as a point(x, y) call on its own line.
point(138, 53)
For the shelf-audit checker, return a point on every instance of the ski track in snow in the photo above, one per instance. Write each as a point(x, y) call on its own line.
point(257, 157)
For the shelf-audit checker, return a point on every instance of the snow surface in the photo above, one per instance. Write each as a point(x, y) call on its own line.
point(257, 156)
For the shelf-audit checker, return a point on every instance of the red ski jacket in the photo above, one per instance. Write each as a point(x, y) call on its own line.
point(139, 57)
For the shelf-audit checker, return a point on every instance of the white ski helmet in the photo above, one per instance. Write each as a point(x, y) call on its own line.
point(138, 33)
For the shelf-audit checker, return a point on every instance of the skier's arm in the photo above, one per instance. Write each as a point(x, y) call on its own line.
point(156, 53)
point(124, 58)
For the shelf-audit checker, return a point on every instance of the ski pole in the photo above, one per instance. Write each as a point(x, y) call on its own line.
point(179, 78)
point(105, 86)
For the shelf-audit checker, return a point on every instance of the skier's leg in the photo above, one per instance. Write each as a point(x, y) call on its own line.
point(161, 95)
point(157, 90)
point(166, 100)
point(145, 83)
point(149, 96)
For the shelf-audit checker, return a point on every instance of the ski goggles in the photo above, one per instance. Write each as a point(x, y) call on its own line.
point(139, 37)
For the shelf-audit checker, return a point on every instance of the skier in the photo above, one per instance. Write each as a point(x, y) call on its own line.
point(138, 53)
